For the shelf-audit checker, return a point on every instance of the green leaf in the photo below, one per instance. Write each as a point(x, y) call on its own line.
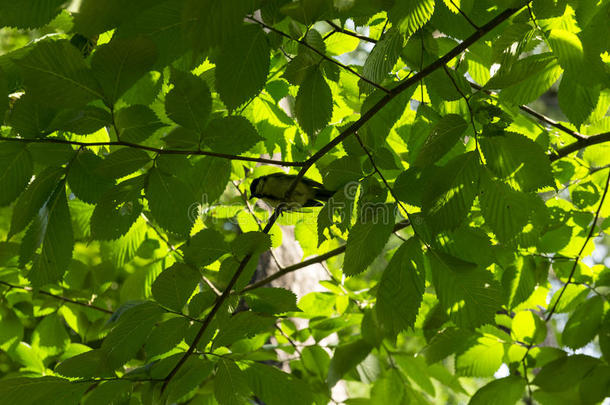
point(505, 210)
point(272, 300)
point(50, 335)
point(85, 177)
point(528, 327)
point(136, 123)
point(340, 43)
point(381, 60)
point(519, 281)
point(564, 372)
point(11, 332)
point(409, 16)
point(47, 390)
point(389, 389)
point(316, 361)
point(15, 170)
point(29, 118)
point(29, 14)
point(233, 134)
point(117, 210)
point(175, 285)
point(449, 195)
point(242, 66)
point(209, 178)
point(55, 233)
point(242, 325)
point(166, 335)
point(130, 333)
point(448, 84)
point(250, 243)
point(504, 391)
point(82, 121)
point(401, 289)
point(204, 247)
point(122, 162)
point(231, 384)
point(577, 101)
point(584, 323)
point(56, 74)
point(188, 378)
point(119, 64)
point(34, 197)
point(529, 79)
point(109, 392)
point(482, 359)
point(443, 136)
point(314, 103)
point(468, 294)
point(274, 387)
point(518, 160)
point(343, 171)
point(189, 103)
point(345, 358)
point(368, 237)
point(170, 201)
point(569, 50)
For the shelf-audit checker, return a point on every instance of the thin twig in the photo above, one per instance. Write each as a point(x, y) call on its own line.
point(179, 254)
point(217, 304)
point(156, 150)
point(338, 28)
point(387, 185)
point(476, 27)
point(58, 297)
point(467, 100)
point(308, 262)
point(257, 220)
point(336, 62)
point(540, 117)
point(582, 249)
point(323, 151)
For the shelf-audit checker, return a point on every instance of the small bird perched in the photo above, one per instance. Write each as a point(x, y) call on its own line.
point(272, 188)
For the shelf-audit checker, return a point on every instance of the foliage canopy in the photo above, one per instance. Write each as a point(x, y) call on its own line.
point(459, 245)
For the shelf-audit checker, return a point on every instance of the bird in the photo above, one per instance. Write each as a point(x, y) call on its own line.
point(272, 189)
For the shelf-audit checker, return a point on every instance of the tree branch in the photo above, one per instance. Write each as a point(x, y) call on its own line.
point(156, 150)
point(217, 304)
point(336, 62)
point(58, 297)
point(309, 262)
point(342, 30)
point(580, 144)
point(402, 86)
point(476, 27)
point(405, 84)
point(539, 116)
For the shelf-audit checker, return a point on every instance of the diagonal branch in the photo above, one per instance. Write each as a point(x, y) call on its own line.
point(217, 305)
point(402, 86)
point(342, 30)
point(322, 54)
point(309, 262)
point(405, 84)
point(580, 144)
point(582, 249)
point(156, 150)
point(476, 27)
point(538, 116)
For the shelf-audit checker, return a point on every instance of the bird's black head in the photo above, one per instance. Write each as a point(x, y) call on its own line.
point(253, 188)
